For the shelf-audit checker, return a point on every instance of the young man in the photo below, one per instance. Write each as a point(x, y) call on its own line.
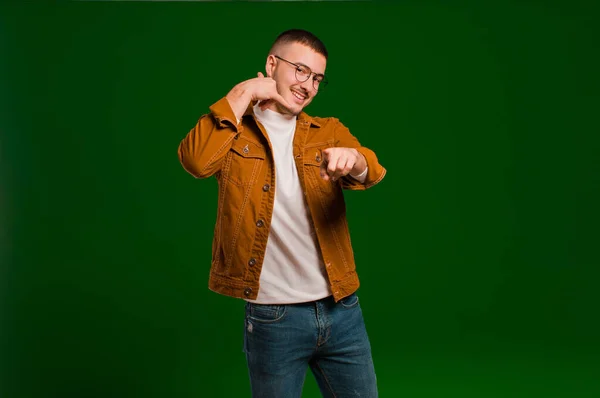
point(281, 238)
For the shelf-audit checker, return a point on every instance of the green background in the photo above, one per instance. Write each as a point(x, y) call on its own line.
point(478, 253)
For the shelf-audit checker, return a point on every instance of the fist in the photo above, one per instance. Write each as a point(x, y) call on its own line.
point(338, 162)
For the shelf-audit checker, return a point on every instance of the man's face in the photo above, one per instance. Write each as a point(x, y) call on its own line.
point(296, 93)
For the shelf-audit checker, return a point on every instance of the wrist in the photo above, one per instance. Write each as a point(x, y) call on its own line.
point(239, 93)
point(239, 98)
point(360, 165)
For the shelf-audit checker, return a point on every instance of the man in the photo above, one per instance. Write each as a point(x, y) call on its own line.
point(281, 238)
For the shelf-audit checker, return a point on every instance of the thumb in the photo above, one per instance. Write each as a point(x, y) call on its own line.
point(282, 101)
point(260, 74)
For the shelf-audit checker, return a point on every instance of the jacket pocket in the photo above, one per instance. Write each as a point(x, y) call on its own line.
point(245, 162)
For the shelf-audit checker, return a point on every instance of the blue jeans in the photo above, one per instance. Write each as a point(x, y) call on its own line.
point(281, 341)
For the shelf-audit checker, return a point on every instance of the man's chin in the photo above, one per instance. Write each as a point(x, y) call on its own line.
point(295, 110)
point(298, 108)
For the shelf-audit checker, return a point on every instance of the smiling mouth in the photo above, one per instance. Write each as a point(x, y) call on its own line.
point(298, 96)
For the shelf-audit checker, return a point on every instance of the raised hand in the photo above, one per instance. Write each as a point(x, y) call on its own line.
point(260, 88)
point(264, 89)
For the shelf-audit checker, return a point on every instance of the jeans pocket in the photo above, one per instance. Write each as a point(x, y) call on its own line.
point(265, 313)
point(350, 301)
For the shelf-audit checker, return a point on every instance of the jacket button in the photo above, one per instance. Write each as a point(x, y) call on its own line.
point(252, 261)
point(266, 187)
point(318, 158)
point(260, 223)
point(247, 291)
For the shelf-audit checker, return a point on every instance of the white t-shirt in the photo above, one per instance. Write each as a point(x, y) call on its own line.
point(293, 269)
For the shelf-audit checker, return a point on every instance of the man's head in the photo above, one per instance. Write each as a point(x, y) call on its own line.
point(297, 63)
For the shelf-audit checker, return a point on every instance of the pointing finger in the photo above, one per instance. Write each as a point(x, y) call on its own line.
point(332, 164)
point(324, 174)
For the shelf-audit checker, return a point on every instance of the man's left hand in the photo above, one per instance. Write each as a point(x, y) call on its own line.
point(338, 162)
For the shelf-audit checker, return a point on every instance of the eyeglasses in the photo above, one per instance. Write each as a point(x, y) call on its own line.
point(303, 73)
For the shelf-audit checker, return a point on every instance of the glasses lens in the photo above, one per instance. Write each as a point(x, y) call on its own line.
point(319, 83)
point(302, 73)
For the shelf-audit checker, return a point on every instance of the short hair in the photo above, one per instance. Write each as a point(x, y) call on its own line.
point(300, 36)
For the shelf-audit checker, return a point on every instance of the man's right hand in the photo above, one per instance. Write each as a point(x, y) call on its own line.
point(261, 88)
point(265, 91)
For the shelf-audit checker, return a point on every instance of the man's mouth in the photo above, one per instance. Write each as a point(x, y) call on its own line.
point(299, 96)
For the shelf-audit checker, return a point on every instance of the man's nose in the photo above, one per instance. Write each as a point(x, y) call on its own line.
point(308, 86)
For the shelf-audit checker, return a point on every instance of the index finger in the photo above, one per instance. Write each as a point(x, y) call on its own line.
point(324, 164)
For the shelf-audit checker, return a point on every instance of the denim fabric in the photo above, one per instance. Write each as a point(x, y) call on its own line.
point(282, 341)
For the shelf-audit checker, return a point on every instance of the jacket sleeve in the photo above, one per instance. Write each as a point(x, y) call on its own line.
point(375, 172)
point(203, 149)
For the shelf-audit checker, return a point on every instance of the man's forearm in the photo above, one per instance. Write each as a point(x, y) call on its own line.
point(239, 98)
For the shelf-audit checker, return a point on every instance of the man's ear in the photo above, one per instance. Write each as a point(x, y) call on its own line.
point(270, 65)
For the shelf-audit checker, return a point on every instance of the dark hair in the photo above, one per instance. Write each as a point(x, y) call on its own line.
point(303, 37)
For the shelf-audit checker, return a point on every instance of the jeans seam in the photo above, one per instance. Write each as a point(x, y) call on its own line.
point(326, 379)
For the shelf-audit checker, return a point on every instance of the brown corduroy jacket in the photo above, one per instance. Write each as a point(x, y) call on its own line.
point(239, 156)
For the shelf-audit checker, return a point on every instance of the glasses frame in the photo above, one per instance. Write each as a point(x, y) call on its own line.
point(322, 84)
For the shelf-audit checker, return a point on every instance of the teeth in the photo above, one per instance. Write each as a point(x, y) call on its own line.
point(301, 97)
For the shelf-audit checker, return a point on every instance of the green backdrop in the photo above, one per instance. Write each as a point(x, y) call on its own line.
point(478, 253)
